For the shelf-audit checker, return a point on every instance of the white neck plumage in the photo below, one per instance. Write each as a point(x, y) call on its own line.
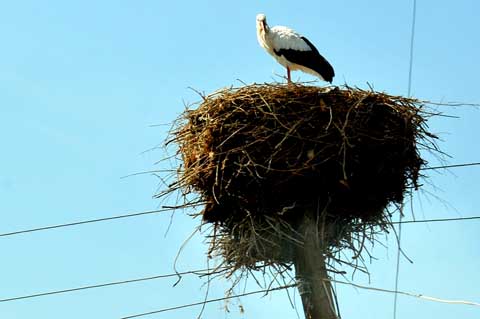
point(262, 32)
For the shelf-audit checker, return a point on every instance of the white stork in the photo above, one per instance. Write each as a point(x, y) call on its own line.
point(292, 50)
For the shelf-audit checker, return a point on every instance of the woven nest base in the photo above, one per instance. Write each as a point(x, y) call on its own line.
point(262, 156)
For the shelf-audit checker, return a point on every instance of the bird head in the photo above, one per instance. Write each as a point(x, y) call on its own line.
point(261, 22)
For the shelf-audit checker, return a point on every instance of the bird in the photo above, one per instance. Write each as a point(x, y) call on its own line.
point(292, 50)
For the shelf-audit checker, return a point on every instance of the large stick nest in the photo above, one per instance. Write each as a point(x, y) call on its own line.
point(262, 156)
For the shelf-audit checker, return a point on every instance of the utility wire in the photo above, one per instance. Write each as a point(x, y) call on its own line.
point(85, 222)
point(436, 220)
point(200, 271)
point(451, 166)
point(412, 39)
point(196, 272)
point(410, 294)
point(163, 210)
point(397, 269)
point(397, 272)
point(415, 295)
point(114, 283)
point(207, 301)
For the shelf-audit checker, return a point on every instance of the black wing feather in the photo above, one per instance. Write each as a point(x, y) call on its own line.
point(311, 59)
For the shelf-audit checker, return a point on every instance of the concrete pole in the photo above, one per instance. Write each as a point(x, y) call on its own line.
point(310, 272)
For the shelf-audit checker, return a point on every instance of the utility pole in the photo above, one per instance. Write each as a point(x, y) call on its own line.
point(311, 274)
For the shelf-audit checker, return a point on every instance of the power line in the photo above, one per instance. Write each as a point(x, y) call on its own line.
point(415, 295)
point(207, 301)
point(24, 231)
point(410, 294)
point(412, 38)
point(166, 208)
point(114, 283)
point(89, 221)
point(397, 269)
point(199, 272)
point(451, 166)
point(397, 272)
point(437, 220)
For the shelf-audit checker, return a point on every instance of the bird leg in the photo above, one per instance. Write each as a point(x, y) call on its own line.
point(288, 75)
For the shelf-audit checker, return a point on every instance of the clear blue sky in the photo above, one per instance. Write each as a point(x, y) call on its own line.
point(82, 81)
